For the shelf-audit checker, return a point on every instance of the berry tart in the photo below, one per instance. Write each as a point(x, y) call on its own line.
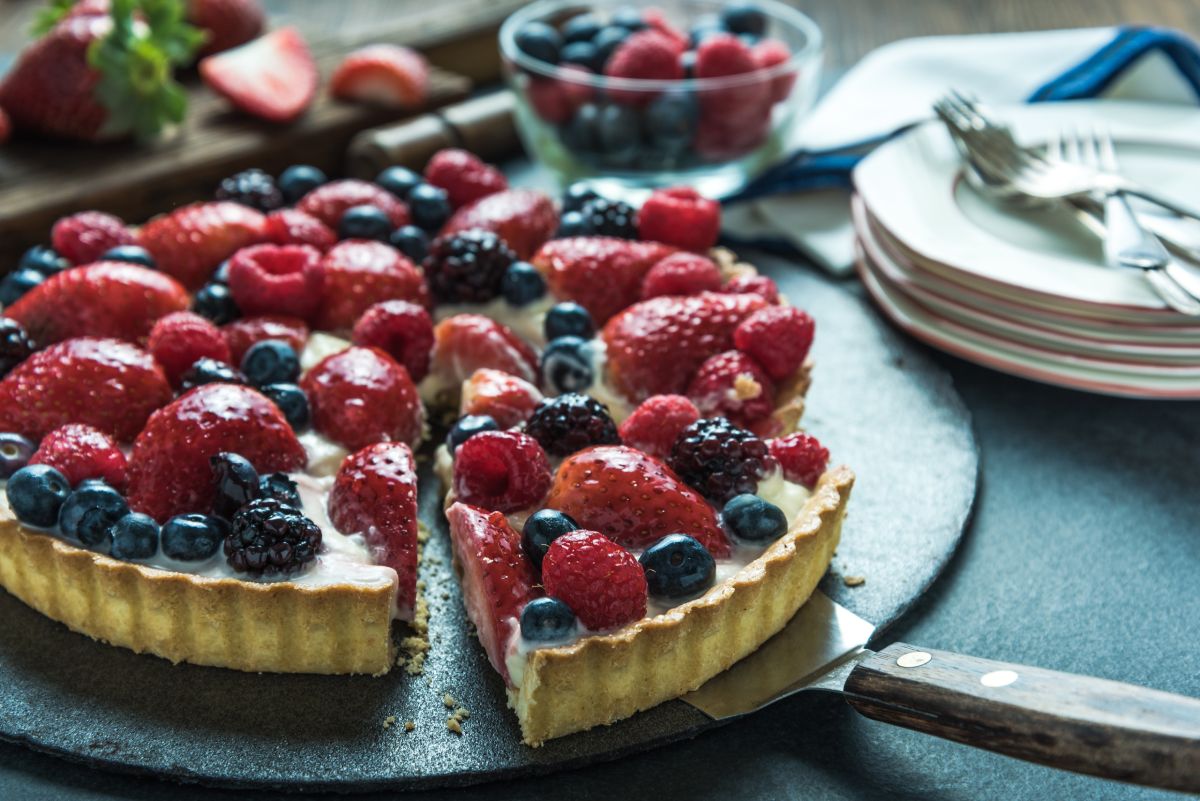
point(208, 424)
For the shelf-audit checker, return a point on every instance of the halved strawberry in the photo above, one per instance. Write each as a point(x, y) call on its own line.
point(362, 395)
point(107, 384)
point(189, 242)
point(505, 398)
point(359, 274)
point(384, 75)
point(602, 274)
point(375, 495)
point(273, 76)
point(241, 334)
point(105, 299)
point(465, 343)
point(523, 218)
point(656, 346)
point(169, 471)
point(633, 499)
point(497, 577)
point(328, 202)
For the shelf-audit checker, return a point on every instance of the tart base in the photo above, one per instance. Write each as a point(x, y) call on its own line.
point(279, 627)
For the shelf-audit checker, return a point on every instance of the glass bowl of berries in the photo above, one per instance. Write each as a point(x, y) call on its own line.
point(633, 97)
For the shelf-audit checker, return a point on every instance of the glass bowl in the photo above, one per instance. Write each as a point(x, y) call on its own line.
point(627, 136)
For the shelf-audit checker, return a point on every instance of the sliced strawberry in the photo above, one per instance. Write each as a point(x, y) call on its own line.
point(178, 340)
point(633, 499)
point(273, 77)
point(505, 398)
point(328, 202)
point(104, 383)
point(105, 299)
point(361, 395)
point(84, 237)
point(277, 279)
point(602, 274)
point(497, 577)
point(227, 23)
point(359, 274)
point(383, 75)
point(466, 342)
point(375, 495)
point(523, 218)
point(80, 452)
point(464, 176)
point(169, 471)
point(191, 241)
point(656, 346)
point(295, 227)
point(241, 334)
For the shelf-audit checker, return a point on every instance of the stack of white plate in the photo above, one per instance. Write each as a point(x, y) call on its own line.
point(1026, 290)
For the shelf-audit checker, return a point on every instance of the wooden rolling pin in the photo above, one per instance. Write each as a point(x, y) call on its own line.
point(484, 125)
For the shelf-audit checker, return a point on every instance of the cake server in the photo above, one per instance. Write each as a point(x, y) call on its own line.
point(1078, 723)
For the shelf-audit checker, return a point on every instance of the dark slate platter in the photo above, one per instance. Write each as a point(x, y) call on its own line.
point(879, 404)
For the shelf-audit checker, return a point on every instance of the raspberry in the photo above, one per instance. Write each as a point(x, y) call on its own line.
point(179, 339)
point(777, 337)
point(733, 385)
point(467, 267)
point(737, 118)
point(719, 459)
point(84, 237)
point(681, 274)
point(253, 188)
point(360, 274)
point(555, 100)
point(330, 201)
point(802, 457)
point(501, 471)
point(682, 217)
point(295, 227)
point(754, 284)
point(772, 53)
point(646, 55)
point(602, 582)
point(277, 279)
point(464, 176)
point(362, 395)
point(505, 398)
point(268, 537)
point(241, 334)
point(80, 452)
point(571, 423)
point(657, 422)
point(401, 329)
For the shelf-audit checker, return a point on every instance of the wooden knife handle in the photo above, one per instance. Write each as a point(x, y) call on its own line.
point(1104, 728)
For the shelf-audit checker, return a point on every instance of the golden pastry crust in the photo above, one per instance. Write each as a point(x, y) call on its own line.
point(280, 627)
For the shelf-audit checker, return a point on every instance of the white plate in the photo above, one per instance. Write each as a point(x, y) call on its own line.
point(1037, 258)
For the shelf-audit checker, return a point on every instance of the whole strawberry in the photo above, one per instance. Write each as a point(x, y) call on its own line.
point(603, 274)
point(79, 451)
point(359, 274)
point(226, 23)
point(360, 396)
point(190, 242)
point(102, 75)
point(464, 176)
point(778, 337)
point(603, 583)
point(523, 218)
point(375, 495)
point(330, 201)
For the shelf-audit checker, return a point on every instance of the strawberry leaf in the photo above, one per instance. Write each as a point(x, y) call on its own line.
point(50, 16)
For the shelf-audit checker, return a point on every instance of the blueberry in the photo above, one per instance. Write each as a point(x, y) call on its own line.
point(678, 566)
point(579, 133)
point(17, 283)
point(618, 133)
point(216, 303)
point(581, 28)
point(298, 180)
point(211, 371)
point(547, 620)
point(744, 18)
point(132, 254)
point(365, 222)
point(749, 517)
point(573, 223)
point(292, 401)
point(15, 344)
point(235, 483)
point(280, 487)
point(400, 181)
point(89, 512)
point(467, 427)
point(192, 538)
point(542, 528)
point(566, 364)
point(15, 451)
point(539, 40)
point(578, 194)
point(584, 54)
point(221, 274)
point(270, 361)
point(629, 18)
point(429, 206)
point(607, 42)
point(671, 119)
point(411, 241)
point(36, 493)
point(135, 536)
point(42, 259)
point(522, 284)
point(568, 319)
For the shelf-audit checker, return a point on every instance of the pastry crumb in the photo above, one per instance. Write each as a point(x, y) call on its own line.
point(455, 720)
point(409, 725)
point(389, 721)
point(854, 581)
point(745, 387)
point(453, 725)
point(462, 713)
point(449, 701)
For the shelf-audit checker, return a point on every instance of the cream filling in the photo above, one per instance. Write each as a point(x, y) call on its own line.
point(319, 346)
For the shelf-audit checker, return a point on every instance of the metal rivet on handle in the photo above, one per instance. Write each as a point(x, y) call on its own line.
point(913, 659)
point(998, 678)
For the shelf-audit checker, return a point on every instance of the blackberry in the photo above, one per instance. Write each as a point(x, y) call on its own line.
point(15, 345)
point(570, 423)
point(719, 459)
point(253, 188)
point(467, 267)
point(611, 218)
point(268, 537)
